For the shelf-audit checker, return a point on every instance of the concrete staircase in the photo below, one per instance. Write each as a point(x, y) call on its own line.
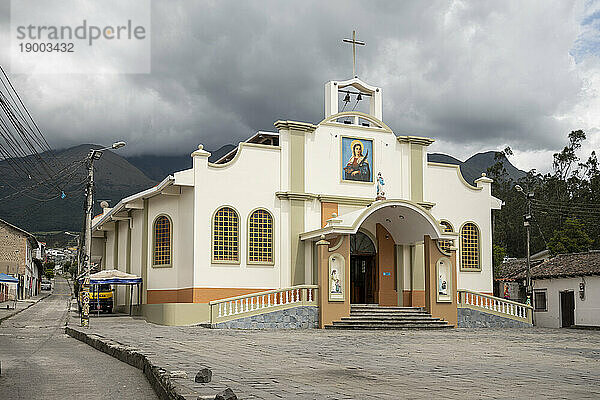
point(373, 316)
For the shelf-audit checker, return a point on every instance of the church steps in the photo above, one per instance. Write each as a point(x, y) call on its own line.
point(392, 322)
point(412, 310)
point(377, 307)
point(389, 318)
point(384, 313)
point(388, 326)
point(372, 316)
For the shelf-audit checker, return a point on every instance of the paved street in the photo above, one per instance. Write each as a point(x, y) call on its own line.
point(10, 308)
point(318, 364)
point(39, 361)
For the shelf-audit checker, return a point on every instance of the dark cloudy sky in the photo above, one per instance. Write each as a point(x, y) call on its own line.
point(474, 75)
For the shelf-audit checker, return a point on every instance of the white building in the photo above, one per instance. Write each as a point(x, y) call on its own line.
point(567, 291)
point(250, 221)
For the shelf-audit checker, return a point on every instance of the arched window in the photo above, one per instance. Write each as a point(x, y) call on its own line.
point(226, 236)
point(361, 244)
point(161, 255)
point(445, 245)
point(260, 237)
point(469, 246)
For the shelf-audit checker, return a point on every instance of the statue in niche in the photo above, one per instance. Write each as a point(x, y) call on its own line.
point(380, 184)
point(336, 287)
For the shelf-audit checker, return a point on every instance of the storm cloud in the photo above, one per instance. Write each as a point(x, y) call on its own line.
point(473, 75)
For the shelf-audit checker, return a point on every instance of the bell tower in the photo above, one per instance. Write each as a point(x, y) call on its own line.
point(352, 86)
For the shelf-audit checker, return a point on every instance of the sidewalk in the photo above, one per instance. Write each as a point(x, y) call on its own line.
point(20, 306)
point(321, 364)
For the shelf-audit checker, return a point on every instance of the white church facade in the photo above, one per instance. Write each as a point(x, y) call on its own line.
point(255, 220)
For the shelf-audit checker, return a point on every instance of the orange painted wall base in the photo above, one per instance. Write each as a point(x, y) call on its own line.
point(196, 295)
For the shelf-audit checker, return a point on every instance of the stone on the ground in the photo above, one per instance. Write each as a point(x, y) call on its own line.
point(178, 374)
point(226, 394)
point(203, 376)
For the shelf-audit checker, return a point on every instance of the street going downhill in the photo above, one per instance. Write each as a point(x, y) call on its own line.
point(39, 361)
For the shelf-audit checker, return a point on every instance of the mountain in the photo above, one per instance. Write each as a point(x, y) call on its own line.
point(33, 204)
point(215, 155)
point(472, 168)
point(482, 161)
point(159, 167)
point(39, 206)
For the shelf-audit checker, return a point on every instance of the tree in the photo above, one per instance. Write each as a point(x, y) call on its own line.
point(563, 161)
point(498, 254)
point(570, 239)
point(570, 191)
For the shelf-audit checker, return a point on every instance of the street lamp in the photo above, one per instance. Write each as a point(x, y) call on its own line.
point(93, 155)
point(527, 224)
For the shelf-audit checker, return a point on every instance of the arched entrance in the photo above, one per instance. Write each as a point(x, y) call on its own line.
point(363, 274)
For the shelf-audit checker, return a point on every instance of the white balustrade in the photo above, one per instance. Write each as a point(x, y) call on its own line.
point(225, 309)
point(509, 308)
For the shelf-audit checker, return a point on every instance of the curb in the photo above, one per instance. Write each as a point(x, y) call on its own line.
point(23, 309)
point(158, 377)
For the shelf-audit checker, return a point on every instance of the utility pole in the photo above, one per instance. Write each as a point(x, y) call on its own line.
point(527, 227)
point(527, 224)
point(89, 205)
point(89, 209)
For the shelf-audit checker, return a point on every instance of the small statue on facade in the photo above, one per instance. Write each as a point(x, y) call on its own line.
point(380, 183)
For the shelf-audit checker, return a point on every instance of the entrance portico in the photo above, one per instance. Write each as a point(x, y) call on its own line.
point(360, 256)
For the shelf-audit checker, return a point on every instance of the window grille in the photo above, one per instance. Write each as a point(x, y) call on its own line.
point(226, 235)
point(469, 246)
point(260, 237)
point(162, 241)
point(540, 301)
point(445, 245)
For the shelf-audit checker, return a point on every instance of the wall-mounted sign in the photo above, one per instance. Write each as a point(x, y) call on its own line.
point(444, 280)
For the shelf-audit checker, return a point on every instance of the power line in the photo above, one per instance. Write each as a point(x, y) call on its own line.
point(41, 135)
point(15, 118)
point(567, 210)
point(593, 206)
point(565, 214)
point(65, 177)
point(9, 112)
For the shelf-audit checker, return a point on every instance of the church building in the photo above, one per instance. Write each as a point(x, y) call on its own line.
point(345, 209)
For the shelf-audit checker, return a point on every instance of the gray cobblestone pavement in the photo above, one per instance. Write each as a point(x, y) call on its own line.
point(319, 364)
point(10, 308)
point(39, 361)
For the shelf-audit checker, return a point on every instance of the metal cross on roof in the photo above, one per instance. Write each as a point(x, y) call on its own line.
point(354, 43)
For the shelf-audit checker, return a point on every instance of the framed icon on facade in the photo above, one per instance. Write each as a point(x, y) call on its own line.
point(444, 280)
point(336, 278)
point(357, 159)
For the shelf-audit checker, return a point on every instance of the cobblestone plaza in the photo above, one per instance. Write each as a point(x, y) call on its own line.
point(320, 364)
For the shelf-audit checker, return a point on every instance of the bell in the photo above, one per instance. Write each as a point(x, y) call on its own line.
point(347, 98)
point(359, 98)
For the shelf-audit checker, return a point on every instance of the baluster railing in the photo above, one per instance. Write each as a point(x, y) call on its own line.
point(508, 308)
point(236, 307)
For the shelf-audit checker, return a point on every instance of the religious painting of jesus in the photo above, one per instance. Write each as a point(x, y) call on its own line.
point(357, 159)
